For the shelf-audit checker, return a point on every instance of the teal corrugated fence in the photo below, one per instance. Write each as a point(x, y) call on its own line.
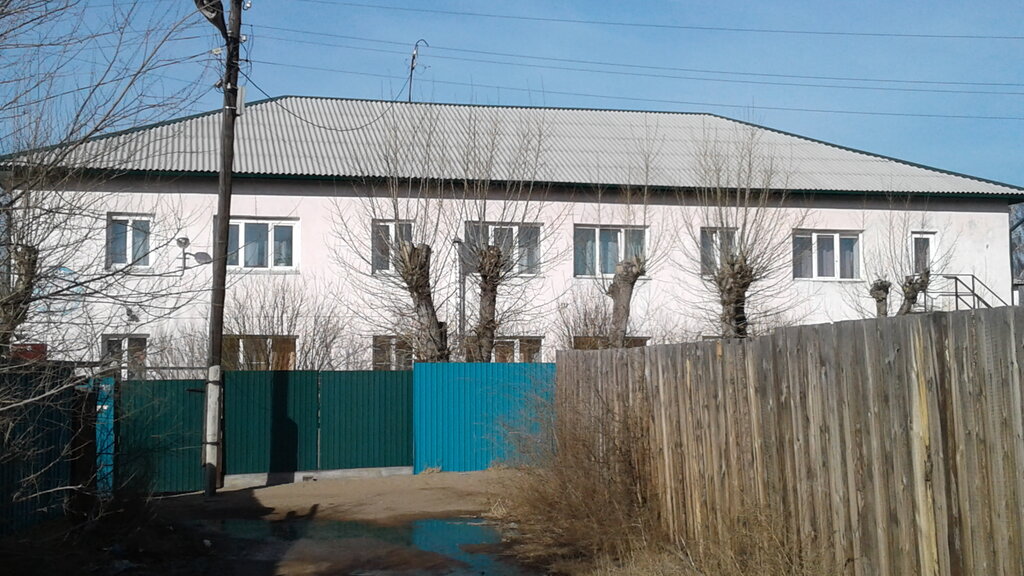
point(448, 416)
point(271, 422)
point(463, 414)
point(159, 436)
point(366, 419)
point(34, 450)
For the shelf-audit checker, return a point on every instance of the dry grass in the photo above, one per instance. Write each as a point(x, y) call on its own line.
point(758, 542)
point(583, 505)
point(645, 563)
point(583, 493)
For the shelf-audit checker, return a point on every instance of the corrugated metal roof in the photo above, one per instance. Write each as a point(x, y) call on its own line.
point(323, 137)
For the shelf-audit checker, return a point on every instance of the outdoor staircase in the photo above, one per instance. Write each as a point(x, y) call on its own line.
point(960, 292)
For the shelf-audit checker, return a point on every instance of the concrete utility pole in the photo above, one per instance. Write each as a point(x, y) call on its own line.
point(213, 438)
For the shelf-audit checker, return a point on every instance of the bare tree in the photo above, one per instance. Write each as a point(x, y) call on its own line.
point(507, 217)
point(745, 218)
point(634, 263)
point(904, 253)
point(71, 72)
point(627, 242)
point(280, 307)
point(392, 243)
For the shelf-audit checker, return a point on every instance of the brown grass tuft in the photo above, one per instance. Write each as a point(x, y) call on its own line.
point(758, 542)
point(583, 494)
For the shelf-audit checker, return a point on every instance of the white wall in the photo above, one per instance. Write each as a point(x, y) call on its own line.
point(671, 303)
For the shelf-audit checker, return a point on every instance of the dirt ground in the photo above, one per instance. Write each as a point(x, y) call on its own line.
point(387, 500)
point(192, 534)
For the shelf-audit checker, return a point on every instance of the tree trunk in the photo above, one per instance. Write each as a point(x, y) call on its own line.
point(432, 337)
point(880, 292)
point(913, 286)
point(491, 268)
point(733, 279)
point(17, 299)
point(734, 314)
point(620, 291)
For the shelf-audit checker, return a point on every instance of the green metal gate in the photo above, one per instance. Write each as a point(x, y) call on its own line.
point(366, 419)
point(159, 436)
point(276, 423)
point(271, 421)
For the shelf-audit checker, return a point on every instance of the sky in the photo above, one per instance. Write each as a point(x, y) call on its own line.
point(939, 83)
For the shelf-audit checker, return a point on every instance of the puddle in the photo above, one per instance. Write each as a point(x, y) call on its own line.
point(453, 546)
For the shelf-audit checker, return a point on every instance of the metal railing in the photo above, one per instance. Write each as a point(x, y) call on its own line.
point(969, 292)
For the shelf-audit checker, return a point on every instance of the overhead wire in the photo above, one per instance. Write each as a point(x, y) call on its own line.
point(636, 66)
point(663, 26)
point(309, 122)
point(656, 100)
point(667, 76)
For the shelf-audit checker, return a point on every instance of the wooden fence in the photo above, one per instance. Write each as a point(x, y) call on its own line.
point(898, 444)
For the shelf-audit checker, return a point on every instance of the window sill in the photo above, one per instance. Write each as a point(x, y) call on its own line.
point(831, 280)
point(523, 275)
point(608, 277)
point(132, 269)
point(263, 271)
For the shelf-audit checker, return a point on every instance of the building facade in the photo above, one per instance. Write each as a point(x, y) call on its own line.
point(327, 192)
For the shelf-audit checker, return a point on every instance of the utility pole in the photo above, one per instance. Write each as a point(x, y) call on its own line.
point(213, 442)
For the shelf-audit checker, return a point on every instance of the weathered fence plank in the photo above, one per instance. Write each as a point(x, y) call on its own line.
point(896, 445)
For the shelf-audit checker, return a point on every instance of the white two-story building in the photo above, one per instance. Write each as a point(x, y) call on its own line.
point(326, 189)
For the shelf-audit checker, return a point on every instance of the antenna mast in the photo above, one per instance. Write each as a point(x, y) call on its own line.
point(412, 62)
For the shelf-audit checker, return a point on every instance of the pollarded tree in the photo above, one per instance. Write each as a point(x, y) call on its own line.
point(621, 241)
point(394, 239)
point(507, 217)
point(905, 253)
point(743, 224)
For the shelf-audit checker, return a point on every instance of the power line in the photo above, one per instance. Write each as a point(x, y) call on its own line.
point(635, 66)
point(315, 124)
point(667, 76)
point(653, 100)
point(653, 25)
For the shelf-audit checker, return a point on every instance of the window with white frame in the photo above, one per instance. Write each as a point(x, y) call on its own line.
point(826, 255)
point(597, 249)
point(128, 239)
point(262, 244)
point(922, 246)
point(519, 244)
point(391, 352)
point(386, 235)
point(714, 244)
point(127, 352)
point(517, 349)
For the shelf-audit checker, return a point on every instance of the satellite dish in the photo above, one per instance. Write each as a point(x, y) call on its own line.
point(202, 257)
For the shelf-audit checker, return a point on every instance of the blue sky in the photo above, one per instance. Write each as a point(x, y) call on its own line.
point(937, 83)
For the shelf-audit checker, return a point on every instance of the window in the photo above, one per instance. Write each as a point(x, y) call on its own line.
point(597, 250)
point(257, 352)
point(128, 240)
point(715, 242)
point(521, 349)
point(519, 244)
point(922, 246)
point(601, 342)
point(391, 353)
point(262, 244)
point(826, 255)
point(127, 351)
point(386, 236)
